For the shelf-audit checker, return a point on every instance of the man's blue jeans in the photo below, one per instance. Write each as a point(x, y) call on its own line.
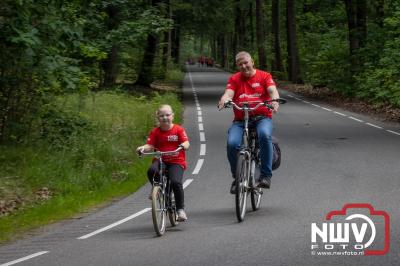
point(264, 131)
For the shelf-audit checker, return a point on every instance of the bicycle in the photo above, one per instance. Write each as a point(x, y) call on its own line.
point(162, 195)
point(247, 161)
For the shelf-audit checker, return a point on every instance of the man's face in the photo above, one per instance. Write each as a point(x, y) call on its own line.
point(245, 65)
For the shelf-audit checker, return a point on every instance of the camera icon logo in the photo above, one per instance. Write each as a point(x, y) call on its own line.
point(356, 229)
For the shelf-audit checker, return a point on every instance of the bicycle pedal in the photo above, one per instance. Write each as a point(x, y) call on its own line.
point(255, 189)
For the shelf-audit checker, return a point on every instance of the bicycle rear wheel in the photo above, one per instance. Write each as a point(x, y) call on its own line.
point(158, 210)
point(256, 192)
point(242, 178)
point(172, 215)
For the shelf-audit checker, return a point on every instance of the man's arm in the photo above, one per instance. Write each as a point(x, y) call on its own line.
point(228, 95)
point(273, 91)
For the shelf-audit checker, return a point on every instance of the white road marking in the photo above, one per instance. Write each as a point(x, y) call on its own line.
point(199, 113)
point(201, 127)
point(340, 114)
point(372, 125)
point(202, 137)
point(394, 132)
point(200, 119)
point(358, 120)
point(187, 183)
point(24, 258)
point(198, 166)
point(115, 224)
point(202, 149)
point(198, 108)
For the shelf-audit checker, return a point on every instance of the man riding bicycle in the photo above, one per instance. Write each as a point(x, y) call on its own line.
point(251, 85)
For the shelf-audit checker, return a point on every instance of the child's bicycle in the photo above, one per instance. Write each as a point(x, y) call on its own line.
point(162, 196)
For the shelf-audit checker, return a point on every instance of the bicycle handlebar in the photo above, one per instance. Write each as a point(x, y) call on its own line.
point(246, 106)
point(160, 153)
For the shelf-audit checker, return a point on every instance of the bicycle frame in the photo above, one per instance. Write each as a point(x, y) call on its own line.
point(247, 160)
point(162, 200)
point(163, 180)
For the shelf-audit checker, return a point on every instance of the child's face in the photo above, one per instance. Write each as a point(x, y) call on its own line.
point(165, 116)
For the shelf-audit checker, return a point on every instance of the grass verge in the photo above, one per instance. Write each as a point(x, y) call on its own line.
point(81, 156)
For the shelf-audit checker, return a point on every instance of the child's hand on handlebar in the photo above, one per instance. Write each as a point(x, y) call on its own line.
point(140, 150)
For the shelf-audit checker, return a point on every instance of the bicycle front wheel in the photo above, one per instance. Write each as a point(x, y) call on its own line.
point(158, 210)
point(256, 192)
point(242, 181)
point(172, 215)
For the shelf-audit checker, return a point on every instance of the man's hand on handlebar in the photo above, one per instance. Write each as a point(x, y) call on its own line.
point(223, 103)
point(275, 106)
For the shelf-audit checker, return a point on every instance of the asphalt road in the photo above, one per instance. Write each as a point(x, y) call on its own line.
point(331, 157)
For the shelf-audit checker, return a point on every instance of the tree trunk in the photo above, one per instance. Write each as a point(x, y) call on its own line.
point(236, 33)
point(293, 53)
point(362, 22)
point(145, 75)
point(251, 46)
point(176, 42)
point(214, 47)
point(222, 50)
point(379, 12)
point(110, 67)
point(243, 44)
point(276, 48)
point(354, 45)
point(110, 64)
point(260, 34)
point(167, 38)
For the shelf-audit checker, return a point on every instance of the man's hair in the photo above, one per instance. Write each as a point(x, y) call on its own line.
point(241, 54)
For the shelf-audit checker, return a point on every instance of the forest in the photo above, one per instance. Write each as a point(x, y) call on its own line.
point(55, 47)
point(72, 73)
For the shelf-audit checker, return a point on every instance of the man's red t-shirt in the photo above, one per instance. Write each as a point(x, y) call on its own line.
point(168, 141)
point(252, 89)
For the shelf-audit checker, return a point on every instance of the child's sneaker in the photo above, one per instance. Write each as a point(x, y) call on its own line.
point(181, 215)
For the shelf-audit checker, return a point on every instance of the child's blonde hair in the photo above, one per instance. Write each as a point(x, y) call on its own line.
point(164, 106)
point(157, 123)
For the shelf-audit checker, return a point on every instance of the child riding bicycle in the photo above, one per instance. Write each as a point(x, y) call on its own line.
point(167, 137)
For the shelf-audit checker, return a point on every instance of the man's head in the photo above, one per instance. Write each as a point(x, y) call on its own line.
point(165, 115)
point(245, 64)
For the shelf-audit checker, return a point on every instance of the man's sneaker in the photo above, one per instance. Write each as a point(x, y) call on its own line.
point(264, 182)
point(233, 187)
point(181, 215)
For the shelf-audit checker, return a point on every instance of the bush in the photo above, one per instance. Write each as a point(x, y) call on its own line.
point(60, 127)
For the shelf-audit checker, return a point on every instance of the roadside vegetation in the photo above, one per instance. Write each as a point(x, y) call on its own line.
point(83, 155)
